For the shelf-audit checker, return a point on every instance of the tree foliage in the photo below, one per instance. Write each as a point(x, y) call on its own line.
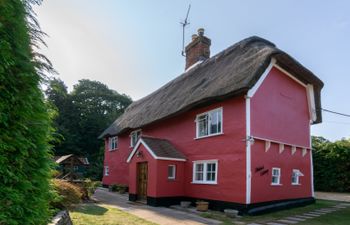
point(83, 115)
point(331, 164)
point(25, 125)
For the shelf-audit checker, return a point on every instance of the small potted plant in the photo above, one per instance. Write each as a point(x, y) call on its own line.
point(202, 206)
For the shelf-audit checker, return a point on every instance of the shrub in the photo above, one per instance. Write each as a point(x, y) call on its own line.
point(331, 164)
point(69, 194)
point(122, 188)
point(91, 186)
point(114, 187)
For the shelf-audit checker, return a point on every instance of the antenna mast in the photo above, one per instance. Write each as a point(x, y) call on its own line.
point(184, 24)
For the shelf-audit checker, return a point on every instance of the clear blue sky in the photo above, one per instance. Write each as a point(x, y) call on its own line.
point(134, 46)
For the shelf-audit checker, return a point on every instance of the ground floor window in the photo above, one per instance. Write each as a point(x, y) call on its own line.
point(106, 170)
point(276, 176)
point(171, 172)
point(205, 172)
point(295, 177)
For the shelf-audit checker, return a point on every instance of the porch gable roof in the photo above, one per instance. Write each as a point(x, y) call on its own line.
point(160, 149)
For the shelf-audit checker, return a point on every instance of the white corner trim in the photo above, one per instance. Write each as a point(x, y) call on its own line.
point(311, 101)
point(248, 151)
point(290, 75)
point(252, 91)
point(140, 141)
point(267, 145)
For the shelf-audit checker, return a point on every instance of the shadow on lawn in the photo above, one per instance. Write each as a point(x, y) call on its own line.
point(91, 209)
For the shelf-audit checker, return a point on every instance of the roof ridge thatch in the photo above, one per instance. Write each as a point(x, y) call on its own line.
point(229, 73)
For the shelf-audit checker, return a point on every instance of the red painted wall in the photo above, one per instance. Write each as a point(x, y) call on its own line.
point(279, 111)
point(158, 184)
point(228, 148)
point(262, 190)
point(116, 161)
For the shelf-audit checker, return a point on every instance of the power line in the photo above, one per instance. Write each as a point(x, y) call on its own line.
point(336, 122)
point(338, 113)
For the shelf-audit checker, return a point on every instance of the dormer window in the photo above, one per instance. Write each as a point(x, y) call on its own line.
point(134, 137)
point(209, 123)
point(113, 143)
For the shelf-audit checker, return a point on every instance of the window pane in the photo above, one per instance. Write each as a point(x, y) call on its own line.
point(199, 167)
point(219, 121)
point(202, 125)
point(171, 171)
point(199, 172)
point(214, 122)
point(211, 169)
point(275, 180)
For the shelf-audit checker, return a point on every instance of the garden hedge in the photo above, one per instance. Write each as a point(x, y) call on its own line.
point(24, 119)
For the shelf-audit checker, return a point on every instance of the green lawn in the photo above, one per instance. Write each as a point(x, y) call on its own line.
point(341, 217)
point(96, 214)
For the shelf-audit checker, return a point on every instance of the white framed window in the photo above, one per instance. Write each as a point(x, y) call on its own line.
point(276, 176)
point(171, 172)
point(113, 143)
point(134, 137)
point(205, 172)
point(106, 171)
point(75, 168)
point(209, 123)
point(295, 176)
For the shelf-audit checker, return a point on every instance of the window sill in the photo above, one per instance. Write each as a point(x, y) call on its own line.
point(211, 135)
point(198, 182)
point(112, 150)
point(296, 184)
point(276, 184)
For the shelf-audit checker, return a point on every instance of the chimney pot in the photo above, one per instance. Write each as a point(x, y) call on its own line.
point(194, 36)
point(200, 32)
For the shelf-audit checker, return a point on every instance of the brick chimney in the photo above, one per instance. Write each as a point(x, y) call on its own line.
point(198, 49)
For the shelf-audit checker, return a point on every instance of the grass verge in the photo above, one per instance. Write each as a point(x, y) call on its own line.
point(99, 214)
point(341, 217)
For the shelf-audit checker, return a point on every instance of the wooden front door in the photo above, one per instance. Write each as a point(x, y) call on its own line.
point(142, 171)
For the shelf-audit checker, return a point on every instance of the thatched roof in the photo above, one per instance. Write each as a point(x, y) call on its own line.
point(231, 72)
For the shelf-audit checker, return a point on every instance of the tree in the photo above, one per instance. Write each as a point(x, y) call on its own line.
point(83, 115)
point(331, 164)
point(25, 124)
point(67, 121)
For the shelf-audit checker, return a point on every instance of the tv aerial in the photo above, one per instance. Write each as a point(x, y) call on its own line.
point(184, 24)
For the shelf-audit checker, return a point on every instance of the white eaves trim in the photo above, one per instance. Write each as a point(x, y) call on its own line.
point(252, 91)
point(140, 141)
